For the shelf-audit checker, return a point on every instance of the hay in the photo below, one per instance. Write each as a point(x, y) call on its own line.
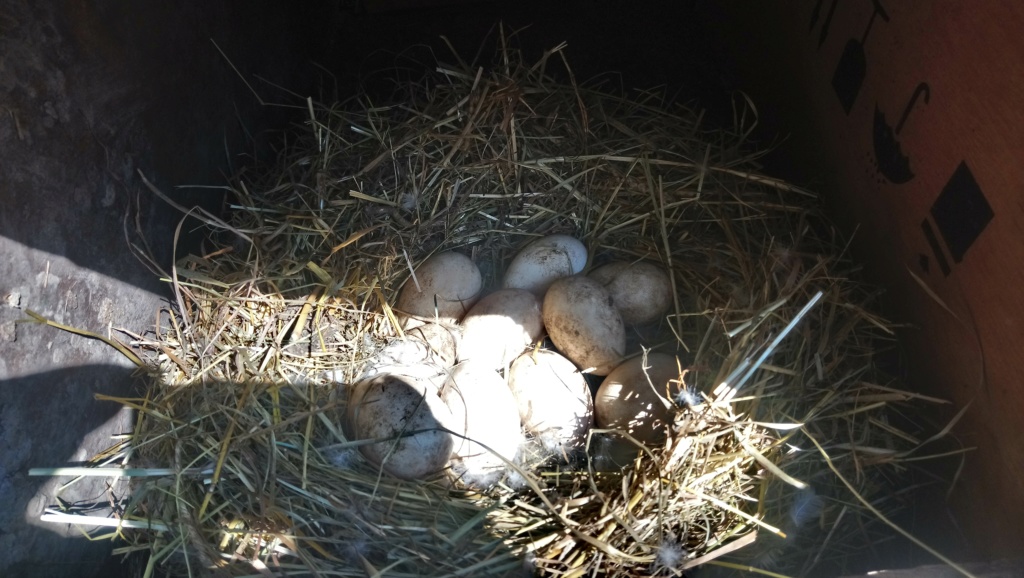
point(292, 296)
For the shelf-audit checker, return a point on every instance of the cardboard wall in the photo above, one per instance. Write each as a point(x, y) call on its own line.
point(909, 117)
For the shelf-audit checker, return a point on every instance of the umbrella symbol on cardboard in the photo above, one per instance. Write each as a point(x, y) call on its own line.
point(853, 64)
point(892, 163)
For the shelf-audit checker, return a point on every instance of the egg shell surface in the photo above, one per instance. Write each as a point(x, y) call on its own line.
point(584, 324)
point(554, 400)
point(450, 280)
point(484, 410)
point(439, 341)
point(388, 407)
point(628, 398)
point(541, 262)
point(642, 292)
point(499, 327)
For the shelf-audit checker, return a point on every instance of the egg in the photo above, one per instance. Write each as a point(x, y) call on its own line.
point(642, 292)
point(389, 407)
point(486, 416)
point(445, 286)
point(425, 353)
point(499, 327)
point(631, 398)
point(584, 325)
point(439, 342)
point(554, 400)
point(541, 262)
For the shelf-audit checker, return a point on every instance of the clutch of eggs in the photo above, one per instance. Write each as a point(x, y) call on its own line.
point(469, 419)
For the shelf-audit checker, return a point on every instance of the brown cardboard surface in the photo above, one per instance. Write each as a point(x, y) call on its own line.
point(969, 56)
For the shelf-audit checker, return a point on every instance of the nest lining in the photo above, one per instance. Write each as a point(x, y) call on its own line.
point(293, 295)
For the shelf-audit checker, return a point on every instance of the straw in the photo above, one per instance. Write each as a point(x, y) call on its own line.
point(240, 461)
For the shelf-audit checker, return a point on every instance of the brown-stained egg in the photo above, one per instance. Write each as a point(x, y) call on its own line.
point(584, 325)
point(642, 292)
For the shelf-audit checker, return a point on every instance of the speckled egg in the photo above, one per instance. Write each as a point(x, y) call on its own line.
point(388, 407)
point(584, 324)
point(541, 262)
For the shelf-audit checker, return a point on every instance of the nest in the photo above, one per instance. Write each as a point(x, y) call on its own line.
point(787, 440)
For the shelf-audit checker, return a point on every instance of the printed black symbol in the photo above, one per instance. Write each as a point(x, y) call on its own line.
point(922, 260)
point(961, 212)
point(929, 236)
point(888, 154)
point(853, 64)
point(828, 20)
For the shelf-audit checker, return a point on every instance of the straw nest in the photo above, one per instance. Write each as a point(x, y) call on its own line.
point(779, 398)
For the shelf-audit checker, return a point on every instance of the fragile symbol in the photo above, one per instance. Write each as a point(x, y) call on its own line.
point(852, 67)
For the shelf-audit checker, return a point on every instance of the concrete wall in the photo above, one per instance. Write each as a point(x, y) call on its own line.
point(89, 93)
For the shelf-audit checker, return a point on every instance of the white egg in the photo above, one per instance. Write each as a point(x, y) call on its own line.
point(486, 416)
point(445, 286)
point(554, 400)
point(632, 397)
point(425, 353)
point(584, 325)
point(439, 342)
point(410, 420)
point(541, 262)
point(499, 327)
point(642, 292)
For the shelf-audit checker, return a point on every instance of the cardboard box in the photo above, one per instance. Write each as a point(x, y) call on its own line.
point(909, 118)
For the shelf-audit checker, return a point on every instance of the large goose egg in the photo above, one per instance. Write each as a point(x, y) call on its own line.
point(499, 327)
point(554, 400)
point(444, 287)
point(408, 418)
point(632, 397)
point(541, 262)
point(642, 292)
point(486, 424)
point(584, 325)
